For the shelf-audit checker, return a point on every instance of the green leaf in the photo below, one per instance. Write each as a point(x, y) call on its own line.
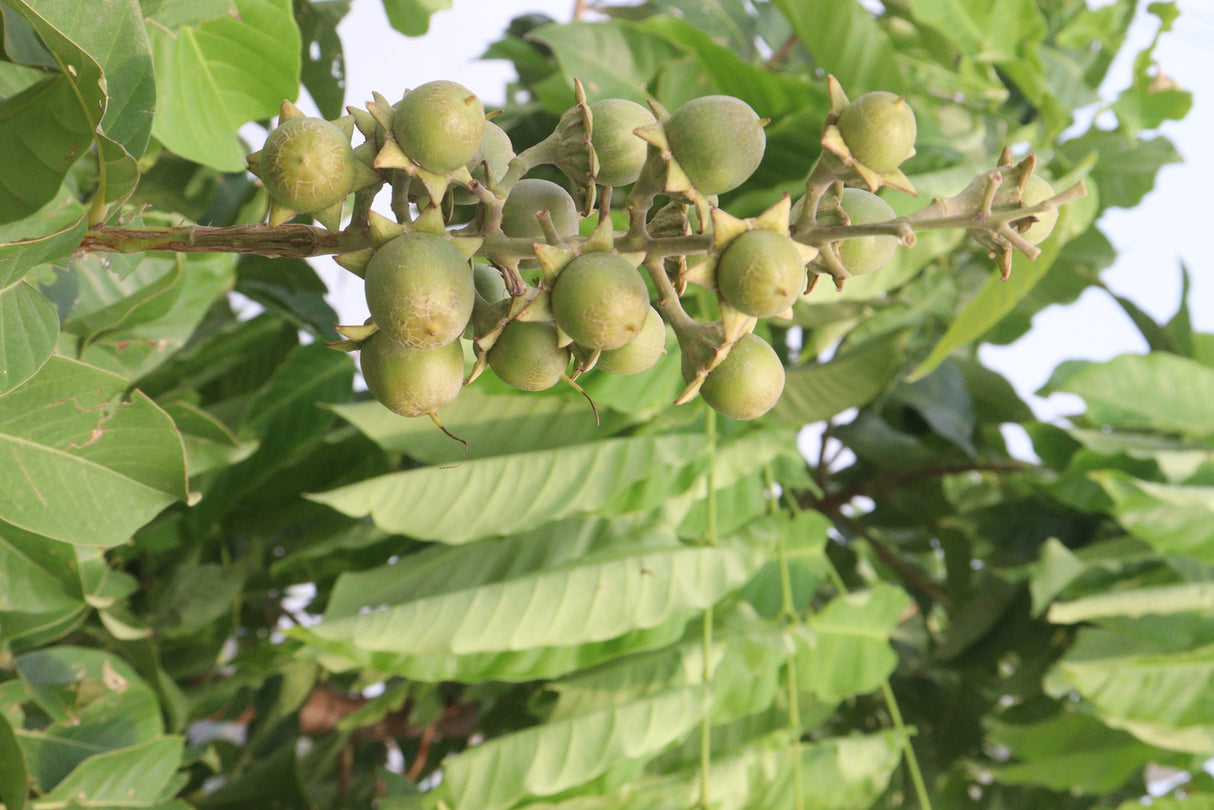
point(985, 30)
point(37, 575)
point(214, 77)
point(1070, 752)
point(1114, 390)
point(109, 301)
point(854, 378)
point(1173, 519)
point(846, 41)
point(506, 494)
point(1153, 97)
point(613, 60)
point(29, 327)
point(288, 287)
point(82, 467)
point(1159, 600)
point(14, 774)
point(492, 424)
point(560, 755)
point(134, 777)
point(847, 651)
point(945, 404)
point(412, 17)
point(1125, 166)
point(323, 62)
point(55, 230)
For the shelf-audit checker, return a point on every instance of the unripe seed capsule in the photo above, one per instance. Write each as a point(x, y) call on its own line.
point(718, 141)
point(600, 300)
point(761, 273)
point(307, 164)
point(420, 290)
point(411, 382)
point(439, 125)
point(879, 129)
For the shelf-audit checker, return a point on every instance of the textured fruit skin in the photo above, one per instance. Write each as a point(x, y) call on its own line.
point(748, 383)
point(420, 290)
point(526, 356)
point(865, 253)
point(411, 382)
point(600, 301)
point(1038, 190)
point(439, 125)
point(640, 353)
point(879, 129)
point(307, 164)
point(718, 140)
point(620, 152)
point(760, 273)
point(531, 196)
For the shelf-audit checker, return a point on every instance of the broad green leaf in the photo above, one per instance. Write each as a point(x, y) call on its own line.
point(559, 755)
point(847, 651)
point(1177, 458)
point(613, 60)
point(1162, 599)
point(55, 230)
point(506, 494)
point(944, 402)
point(289, 287)
point(1161, 698)
point(412, 17)
point(14, 774)
point(214, 77)
point(584, 601)
point(1182, 392)
point(108, 301)
point(814, 393)
point(985, 30)
point(492, 424)
point(323, 69)
point(1190, 801)
point(1070, 752)
point(83, 467)
point(845, 40)
point(29, 327)
point(726, 21)
point(997, 297)
point(138, 346)
point(1174, 519)
point(1124, 167)
point(1152, 98)
point(37, 575)
point(132, 777)
point(208, 442)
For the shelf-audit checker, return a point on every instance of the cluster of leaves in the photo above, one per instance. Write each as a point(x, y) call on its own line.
point(210, 547)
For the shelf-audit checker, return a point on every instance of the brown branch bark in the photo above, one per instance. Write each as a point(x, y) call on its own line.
point(281, 241)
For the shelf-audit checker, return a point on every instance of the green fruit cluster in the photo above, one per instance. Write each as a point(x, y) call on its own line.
point(484, 267)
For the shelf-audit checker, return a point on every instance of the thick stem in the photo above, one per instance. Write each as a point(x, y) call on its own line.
point(280, 241)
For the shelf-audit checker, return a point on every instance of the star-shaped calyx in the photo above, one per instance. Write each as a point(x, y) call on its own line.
point(835, 147)
point(308, 166)
point(390, 155)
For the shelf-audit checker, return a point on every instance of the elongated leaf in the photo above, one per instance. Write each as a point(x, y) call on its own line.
point(1183, 390)
point(412, 17)
point(53, 231)
point(1124, 168)
point(814, 393)
point(1162, 599)
point(559, 755)
point(506, 494)
point(848, 652)
point(987, 30)
point(492, 424)
point(14, 774)
point(37, 575)
point(132, 777)
point(583, 601)
point(846, 41)
point(78, 467)
point(613, 60)
point(291, 288)
point(108, 301)
point(1174, 519)
point(29, 327)
point(214, 77)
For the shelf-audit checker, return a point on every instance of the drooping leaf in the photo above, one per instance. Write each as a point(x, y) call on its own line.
point(134, 777)
point(39, 575)
point(29, 327)
point(1174, 519)
point(84, 468)
point(984, 30)
point(412, 17)
point(53, 231)
point(289, 287)
point(505, 494)
point(1125, 167)
point(847, 650)
point(845, 41)
point(814, 393)
point(220, 74)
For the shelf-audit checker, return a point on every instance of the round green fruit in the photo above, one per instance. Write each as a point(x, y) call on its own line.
point(420, 290)
point(496, 151)
point(717, 140)
point(879, 129)
point(600, 300)
point(760, 273)
point(307, 164)
point(439, 125)
point(747, 383)
point(620, 152)
point(525, 356)
point(861, 254)
point(529, 197)
point(1036, 191)
point(411, 382)
point(640, 353)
